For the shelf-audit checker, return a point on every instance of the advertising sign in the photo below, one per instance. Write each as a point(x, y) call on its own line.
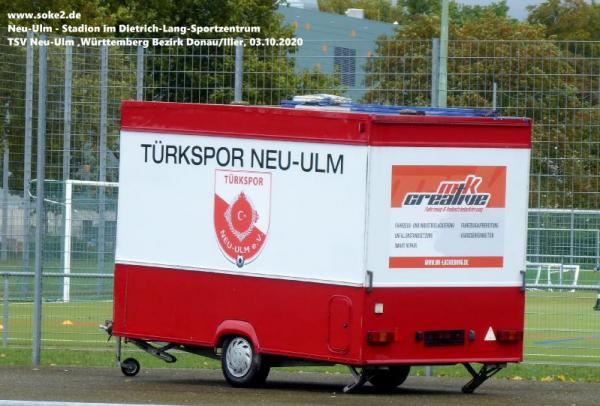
point(447, 216)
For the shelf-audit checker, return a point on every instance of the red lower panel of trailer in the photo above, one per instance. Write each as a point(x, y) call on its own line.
point(328, 322)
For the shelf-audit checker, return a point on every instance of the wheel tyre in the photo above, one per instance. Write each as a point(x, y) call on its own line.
point(263, 372)
point(130, 367)
point(242, 366)
point(389, 378)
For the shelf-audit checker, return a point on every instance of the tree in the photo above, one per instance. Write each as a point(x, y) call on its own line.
point(406, 11)
point(380, 10)
point(535, 78)
point(93, 12)
point(462, 14)
point(183, 74)
point(568, 19)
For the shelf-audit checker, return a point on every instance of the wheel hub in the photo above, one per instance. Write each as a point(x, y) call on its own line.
point(239, 357)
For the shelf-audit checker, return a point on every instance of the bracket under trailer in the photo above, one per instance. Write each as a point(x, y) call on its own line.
point(485, 373)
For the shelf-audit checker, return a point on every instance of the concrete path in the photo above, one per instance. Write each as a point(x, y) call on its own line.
point(186, 387)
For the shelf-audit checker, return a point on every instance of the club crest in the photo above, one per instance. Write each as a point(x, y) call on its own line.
point(242, 213)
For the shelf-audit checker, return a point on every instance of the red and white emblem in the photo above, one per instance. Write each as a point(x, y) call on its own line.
point(242, 213)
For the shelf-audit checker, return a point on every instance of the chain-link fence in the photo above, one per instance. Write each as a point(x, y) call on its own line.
point(557, 84)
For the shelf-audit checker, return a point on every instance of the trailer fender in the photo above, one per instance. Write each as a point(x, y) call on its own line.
point(236, 327)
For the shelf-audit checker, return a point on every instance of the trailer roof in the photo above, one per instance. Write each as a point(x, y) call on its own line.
point(355, 124)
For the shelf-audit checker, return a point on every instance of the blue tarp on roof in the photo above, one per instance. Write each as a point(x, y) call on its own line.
point(394, 110)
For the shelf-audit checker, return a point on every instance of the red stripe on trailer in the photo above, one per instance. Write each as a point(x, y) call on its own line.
point(270, 123)
point(287, 124)
point(445, 262)
point(451, 132)
point(318, 321)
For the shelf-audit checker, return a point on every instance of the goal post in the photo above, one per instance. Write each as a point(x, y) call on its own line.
point(68, 228)
point(564, 274)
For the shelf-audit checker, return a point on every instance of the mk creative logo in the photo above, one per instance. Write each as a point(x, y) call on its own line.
point(451, 193)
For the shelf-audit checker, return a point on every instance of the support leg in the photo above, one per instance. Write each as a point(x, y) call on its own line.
point(118, 352)
point(486, 372)
point(158, 352)
point(360, 378)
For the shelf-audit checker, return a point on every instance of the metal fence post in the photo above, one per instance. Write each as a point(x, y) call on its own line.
point(443, 76)
point(66, 164)
point(5, 173)
point(139, 86)
point(598, 248)
point(67, 240)
point(102, 169)
point(435, 70)
point(5, 312)
point(27, 157)
point(538, 224)
point(67, 110)
point(572, 236)
point(239, 71)
point(39, 215)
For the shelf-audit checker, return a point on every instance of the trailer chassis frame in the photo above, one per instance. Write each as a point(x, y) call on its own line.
point(360, 375)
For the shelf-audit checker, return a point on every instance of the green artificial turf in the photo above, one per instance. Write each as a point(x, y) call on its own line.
point(562, 336)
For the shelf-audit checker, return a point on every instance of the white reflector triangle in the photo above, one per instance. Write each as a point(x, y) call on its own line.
point(490, 336)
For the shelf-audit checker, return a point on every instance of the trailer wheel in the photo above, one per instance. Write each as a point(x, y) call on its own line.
point(389, 378)
point(241, 365)
point(130, 367)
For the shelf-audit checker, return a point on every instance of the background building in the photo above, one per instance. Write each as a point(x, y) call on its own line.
point(335, 43)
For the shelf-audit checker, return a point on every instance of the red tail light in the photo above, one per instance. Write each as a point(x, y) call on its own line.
point(509, 336)
point(380, 337)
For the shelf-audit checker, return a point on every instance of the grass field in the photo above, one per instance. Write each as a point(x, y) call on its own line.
point(21, 287)
point(561, 328)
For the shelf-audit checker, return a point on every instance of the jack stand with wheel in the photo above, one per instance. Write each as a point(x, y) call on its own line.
point(486, 372)
point(130, 367)
point(360, 378)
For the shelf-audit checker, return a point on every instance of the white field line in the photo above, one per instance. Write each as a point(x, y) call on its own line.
point(72, 303)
